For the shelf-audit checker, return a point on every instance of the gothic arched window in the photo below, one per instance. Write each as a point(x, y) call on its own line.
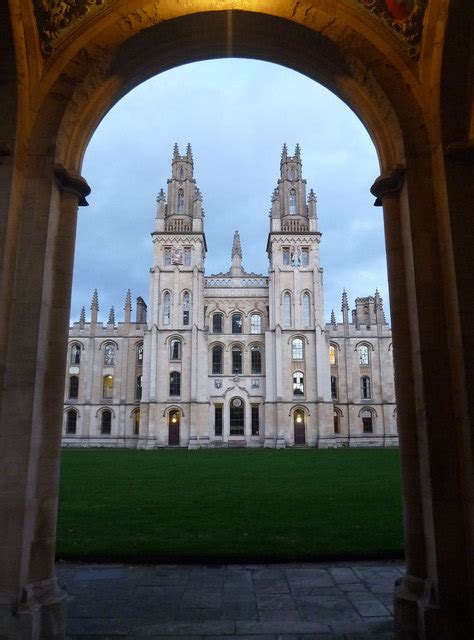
point(181, 173)
point(138, 388)
point(73, 387)
point(175, 349)
point(333, 387)
point(237, 323)
point(71, 421)
point(337, 421)
point(298, 383)
point(364, 355)
point(166, 308)
point(180, 207)
point(140, 354)
point(109, 354)
point(136, 422)
point(107, 387)
point(256, 360)
point(217, 323)
point(256, 323)
point(367, 421)
point(186, 307)
point(175, 383)
point(297, 349)
point(287, 309)
point(217, 359)
point(292, 202)
point(75, 354)
point(236, 360)
point(106, 422)
point(332, 355)
point(365, 390)
point(306, 310)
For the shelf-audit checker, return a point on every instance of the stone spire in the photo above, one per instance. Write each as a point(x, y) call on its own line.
point(284, 153)
point(94, 307)
point(236, 268)
point(189, 152)
point(128, 307)
point(175, 151)
point(345, 308)
point(82, 317)
point(297, 151)
point(333, 318)
point(111, 319)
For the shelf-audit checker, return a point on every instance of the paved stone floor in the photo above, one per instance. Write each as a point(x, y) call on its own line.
point(252, 602)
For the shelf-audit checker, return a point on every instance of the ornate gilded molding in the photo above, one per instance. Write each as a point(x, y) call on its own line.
point(56, 17)
point(403, 17)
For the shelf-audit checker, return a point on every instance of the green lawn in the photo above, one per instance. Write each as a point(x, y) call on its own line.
point(215, 505)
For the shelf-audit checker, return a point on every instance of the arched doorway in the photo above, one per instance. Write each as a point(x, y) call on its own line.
point(174, 421)
point(237, 417)
point(426, 192)
point(299, 427)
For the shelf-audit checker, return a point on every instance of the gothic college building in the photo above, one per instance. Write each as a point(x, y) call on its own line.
point(235, 358)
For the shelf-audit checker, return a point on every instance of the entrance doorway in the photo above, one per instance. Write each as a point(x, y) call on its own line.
point(299, 427)
point(174, 419)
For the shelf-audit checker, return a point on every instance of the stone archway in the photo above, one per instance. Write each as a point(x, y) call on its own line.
point(404, 96)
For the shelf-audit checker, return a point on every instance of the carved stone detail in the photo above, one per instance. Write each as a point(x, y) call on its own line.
point(403, 17)
point(56, 17)
point(388, 185)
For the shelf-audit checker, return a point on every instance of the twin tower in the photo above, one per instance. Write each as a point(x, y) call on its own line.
point(236, 358)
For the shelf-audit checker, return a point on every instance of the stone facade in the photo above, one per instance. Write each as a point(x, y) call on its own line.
point(236, 358)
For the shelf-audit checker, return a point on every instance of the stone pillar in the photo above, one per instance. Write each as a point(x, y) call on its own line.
point(31, 604)
point(387, 189)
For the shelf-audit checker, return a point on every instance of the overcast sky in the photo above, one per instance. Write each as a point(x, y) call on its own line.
point(236, 114)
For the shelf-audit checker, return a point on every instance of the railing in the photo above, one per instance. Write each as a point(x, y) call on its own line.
point(236, 282)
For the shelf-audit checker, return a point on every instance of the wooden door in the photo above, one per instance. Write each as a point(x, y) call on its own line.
point(173, 428)
point(299, 425)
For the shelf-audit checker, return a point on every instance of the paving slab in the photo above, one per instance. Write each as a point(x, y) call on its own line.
point(295, 601)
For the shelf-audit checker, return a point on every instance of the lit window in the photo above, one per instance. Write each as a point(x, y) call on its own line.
point(292, 201)
point(218, 420)
point(333, 387)
point(255, 419)
point(187, 257)
point(75, 354)
point(256, 360)
point(332, 354)
point(109, 354)
point(217, 322)
point(136, 422)
point(73, 387)
point(107, 387)
point(175, 383)
point(71, 422)
point(217, 359)
point(365, 391)
point(186, 307)
point(286, 256)
point(138, 388)
point(297, 349)
point(180, 207)
point(139, 355)
point(175, 349)
point(306, 310)
point(237, 323)
point(363, 355)
point(166, 308)
point(287, 309)
point(237, 417)
point(106, 422)
point(367, 421)
point(236, 360)
point(255, 323)
point(298, 383)
point(167, 256)
point(304, 257)
point(337, 425)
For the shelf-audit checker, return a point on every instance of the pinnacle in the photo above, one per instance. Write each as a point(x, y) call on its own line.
point(95, 300)
point(236, 247)
point(82, 317)
point(111, 319)
point(128, 300)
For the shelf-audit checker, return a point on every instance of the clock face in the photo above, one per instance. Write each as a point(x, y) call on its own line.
point(237, 402)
